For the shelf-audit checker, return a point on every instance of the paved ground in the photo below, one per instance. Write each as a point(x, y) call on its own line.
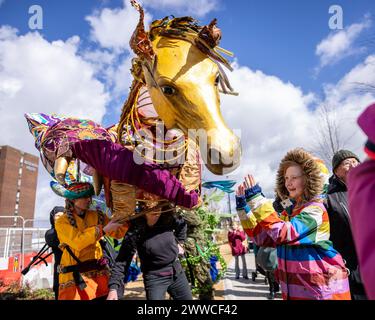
point(245, 289)
point(227, 289)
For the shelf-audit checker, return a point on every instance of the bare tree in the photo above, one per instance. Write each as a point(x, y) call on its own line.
point(362, 87)
point(328, 136)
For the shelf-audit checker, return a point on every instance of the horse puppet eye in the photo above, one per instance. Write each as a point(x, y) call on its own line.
point(217, 80)
point(168, 90)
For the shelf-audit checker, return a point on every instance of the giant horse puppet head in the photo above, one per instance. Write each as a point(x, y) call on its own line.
point(179, 62)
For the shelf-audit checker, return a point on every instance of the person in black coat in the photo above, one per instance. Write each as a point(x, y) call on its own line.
point(340, 227)
point(53, 241)
point(158, 240)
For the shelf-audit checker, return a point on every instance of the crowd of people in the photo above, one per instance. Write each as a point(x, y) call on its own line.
point(323, 238)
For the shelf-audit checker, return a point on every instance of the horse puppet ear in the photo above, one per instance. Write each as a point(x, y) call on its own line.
point(211, 34)
point(140, 42)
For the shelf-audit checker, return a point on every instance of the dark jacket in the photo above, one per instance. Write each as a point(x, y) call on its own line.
point(156, 246)
point(339, 220)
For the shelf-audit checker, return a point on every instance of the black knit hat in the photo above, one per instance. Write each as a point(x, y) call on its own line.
point(340, 156)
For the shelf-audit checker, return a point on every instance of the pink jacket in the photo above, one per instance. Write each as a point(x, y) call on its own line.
point(235, 239)
point(361, 193)
point(361, 190)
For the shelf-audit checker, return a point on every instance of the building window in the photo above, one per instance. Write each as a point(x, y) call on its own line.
point(19, 185)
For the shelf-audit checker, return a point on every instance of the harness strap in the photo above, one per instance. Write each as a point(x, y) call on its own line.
point(78, 280)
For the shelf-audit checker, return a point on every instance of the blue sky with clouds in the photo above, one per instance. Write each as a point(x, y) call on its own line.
point(277, 37)
point(287, 64)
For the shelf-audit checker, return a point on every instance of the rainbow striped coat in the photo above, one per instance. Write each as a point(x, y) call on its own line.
point(309, 268)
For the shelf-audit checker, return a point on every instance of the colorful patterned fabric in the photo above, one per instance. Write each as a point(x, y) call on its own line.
point(39, 123)
point(97, 203)
point(54, 136)
point(73, 191)
point(83, 240)
point(308, 266)
point(79, 190)
point(117, 163)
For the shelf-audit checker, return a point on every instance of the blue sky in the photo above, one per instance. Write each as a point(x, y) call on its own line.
point(288, 63)
point(277, 37)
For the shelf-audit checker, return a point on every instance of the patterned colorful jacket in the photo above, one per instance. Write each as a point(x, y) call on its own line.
point(83, 241)
point(309, 268)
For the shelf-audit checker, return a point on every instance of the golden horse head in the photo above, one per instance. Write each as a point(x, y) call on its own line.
point(179, 62)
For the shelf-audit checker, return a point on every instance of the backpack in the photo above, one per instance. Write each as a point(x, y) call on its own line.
point(51, 239)
point(266, 258)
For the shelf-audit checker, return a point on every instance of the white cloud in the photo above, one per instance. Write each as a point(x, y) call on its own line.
point(121, 77)
point(40, 76)
point(113, 28)
point(275, 116)
point(338, 45)
point(8, 32)
point(351, 95)
point(45, 198)
point(363, 73)
point(197, 8)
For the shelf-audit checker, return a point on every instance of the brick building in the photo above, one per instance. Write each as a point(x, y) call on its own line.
point(18, 182)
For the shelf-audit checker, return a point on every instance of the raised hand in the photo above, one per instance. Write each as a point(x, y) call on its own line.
point(240, 190)
point(249, 181)
point(112, 226)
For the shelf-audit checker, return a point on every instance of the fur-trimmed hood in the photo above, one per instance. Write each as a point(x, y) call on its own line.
point(311, 170)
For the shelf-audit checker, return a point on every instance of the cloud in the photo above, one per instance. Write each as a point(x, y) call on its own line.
point(270, 124)
point(351, 95)
point(198, 8)
point(8, 32)
point(340, 44)
point(45, 200)
point(49, 77)
point(113, 28)
point(275, 117)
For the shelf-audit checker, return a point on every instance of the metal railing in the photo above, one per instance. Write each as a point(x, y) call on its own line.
point(10, 238)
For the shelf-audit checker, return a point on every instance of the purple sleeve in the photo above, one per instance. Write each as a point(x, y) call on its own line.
point(361, 196)
point(116, 162)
